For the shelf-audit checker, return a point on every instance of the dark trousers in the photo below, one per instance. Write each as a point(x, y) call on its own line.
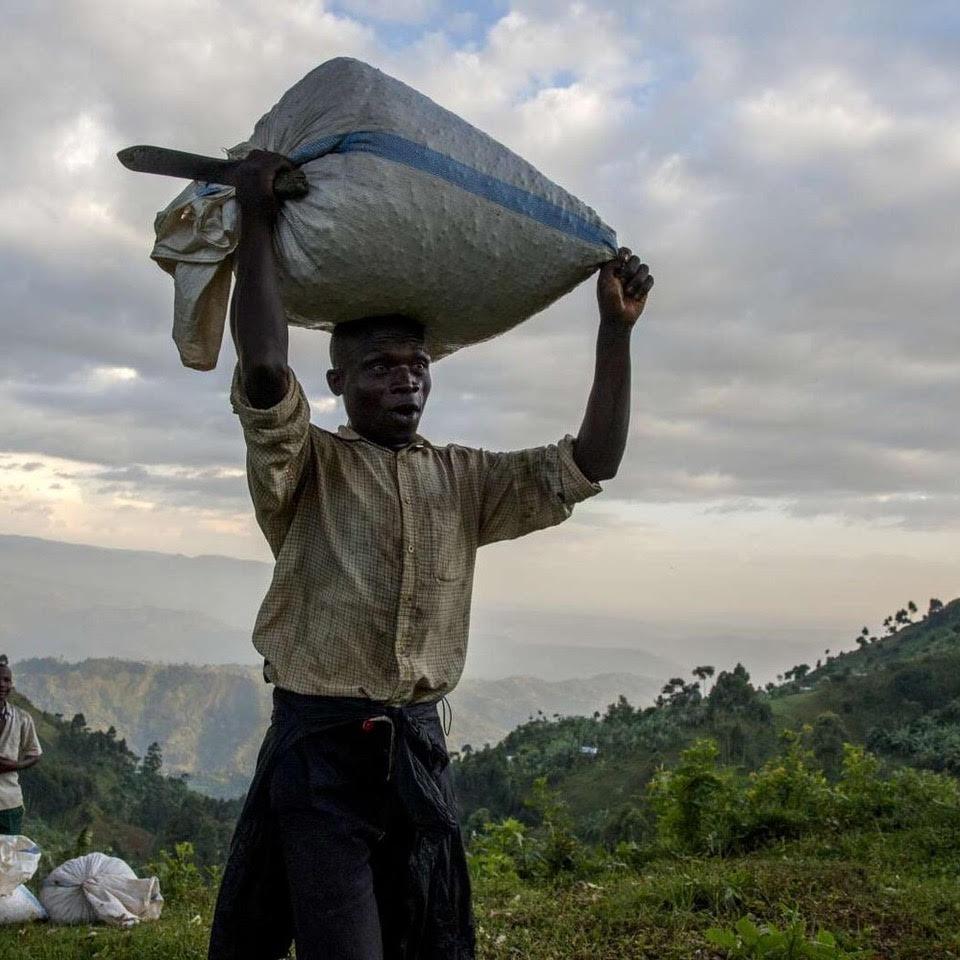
point(344, 843)
point(11, 821)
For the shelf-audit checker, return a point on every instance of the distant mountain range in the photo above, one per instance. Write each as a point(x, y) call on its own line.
point(75, 601)
point(209, 720)
point(167, 618)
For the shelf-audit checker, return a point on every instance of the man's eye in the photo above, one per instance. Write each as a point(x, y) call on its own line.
point(379, 368)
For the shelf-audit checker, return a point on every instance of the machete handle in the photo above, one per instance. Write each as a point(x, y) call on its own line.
point(287, 185)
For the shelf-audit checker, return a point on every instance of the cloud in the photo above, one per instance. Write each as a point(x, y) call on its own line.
point(793, 187)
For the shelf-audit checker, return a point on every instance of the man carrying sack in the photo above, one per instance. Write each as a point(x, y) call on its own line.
point(349, 841)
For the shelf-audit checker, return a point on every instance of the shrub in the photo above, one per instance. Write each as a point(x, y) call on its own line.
point(746, 940)
point(694, 803)
point(499, 853)
point(786, 798)
point(181, 880)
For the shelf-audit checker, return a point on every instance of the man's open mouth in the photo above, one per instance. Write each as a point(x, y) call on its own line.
point(406, 409)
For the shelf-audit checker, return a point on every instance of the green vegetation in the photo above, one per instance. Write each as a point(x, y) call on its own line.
point(91, 789)
point(866, 867)
point(898, 695)
point(818, 818)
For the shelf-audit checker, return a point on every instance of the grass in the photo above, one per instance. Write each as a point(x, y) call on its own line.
point(180, 934)
point(882, 894)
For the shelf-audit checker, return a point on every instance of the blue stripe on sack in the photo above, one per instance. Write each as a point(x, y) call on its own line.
point(389, 146)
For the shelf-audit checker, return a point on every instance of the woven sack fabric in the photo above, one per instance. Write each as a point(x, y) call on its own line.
point(19, 859)
point(411, 210)
point(20, 906)
point(95, 888)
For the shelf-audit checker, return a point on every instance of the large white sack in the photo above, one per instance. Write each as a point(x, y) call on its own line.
point(411, 210)
point(20, 906)
point(97, 887)
point(19, 858)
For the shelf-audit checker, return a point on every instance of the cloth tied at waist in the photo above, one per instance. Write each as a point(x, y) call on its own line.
point(413, 754)
point(253, 919)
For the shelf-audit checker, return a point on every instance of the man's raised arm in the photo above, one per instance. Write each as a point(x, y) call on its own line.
point(622, 289)
point(257, 320)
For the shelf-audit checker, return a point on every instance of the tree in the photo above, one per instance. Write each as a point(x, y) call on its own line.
point(703, 673)
point(78, 724)
point(153, 761)
point(732, 695)
point(935, 607)
point(619, 711)
point(826, 740)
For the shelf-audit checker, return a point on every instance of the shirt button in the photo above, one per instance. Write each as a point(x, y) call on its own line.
point(406, 500)
point(410, 548)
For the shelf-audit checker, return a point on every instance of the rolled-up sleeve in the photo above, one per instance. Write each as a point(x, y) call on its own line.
point(278, 446)
point(29, 743)
point(527, 490)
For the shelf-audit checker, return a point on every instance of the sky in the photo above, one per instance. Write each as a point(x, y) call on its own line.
point(791, 173)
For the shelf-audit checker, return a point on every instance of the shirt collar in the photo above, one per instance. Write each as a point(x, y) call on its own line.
point(346, 432)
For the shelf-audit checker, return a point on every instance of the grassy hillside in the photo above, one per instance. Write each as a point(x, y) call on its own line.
point(784, 865)
point(899, 694)
point(90, 788)
point(730, 822)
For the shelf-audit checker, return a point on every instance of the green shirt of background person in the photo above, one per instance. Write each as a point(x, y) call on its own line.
point(19, 749)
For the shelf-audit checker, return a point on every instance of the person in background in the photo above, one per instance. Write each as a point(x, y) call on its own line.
point(19, 749)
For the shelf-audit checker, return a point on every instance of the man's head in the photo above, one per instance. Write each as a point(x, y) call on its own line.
point(381, 368)
point(6, 680)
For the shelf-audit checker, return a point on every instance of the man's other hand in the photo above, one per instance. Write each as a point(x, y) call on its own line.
point(253, 178)
point(8, 766)
point(622, 288)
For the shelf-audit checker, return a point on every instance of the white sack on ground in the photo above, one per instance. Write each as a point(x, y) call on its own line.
point(411, 210)
point(96, 887)
point(19, 858)
point(21, 906)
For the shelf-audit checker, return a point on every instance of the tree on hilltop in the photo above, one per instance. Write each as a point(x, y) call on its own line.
point(153, 761)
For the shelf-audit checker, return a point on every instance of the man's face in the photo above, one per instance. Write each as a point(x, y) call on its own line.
point(384, 382)
point(6, 682)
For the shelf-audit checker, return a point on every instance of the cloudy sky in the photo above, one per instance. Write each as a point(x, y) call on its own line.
point(790, 171)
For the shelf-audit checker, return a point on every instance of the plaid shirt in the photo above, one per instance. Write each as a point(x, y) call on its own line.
point(375, 548)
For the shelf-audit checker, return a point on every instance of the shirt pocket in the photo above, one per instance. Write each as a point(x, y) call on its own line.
point(450, 554)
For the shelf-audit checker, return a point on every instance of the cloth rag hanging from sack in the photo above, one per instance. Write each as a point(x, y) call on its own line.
point(410, 210)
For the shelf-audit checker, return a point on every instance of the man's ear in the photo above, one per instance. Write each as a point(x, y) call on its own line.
point(335, 381)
